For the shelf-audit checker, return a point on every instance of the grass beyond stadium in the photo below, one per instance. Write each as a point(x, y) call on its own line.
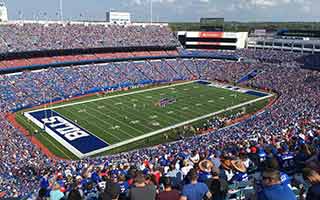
point(122, 118)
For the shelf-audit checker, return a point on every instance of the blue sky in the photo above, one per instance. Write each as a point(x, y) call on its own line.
point(171, 10)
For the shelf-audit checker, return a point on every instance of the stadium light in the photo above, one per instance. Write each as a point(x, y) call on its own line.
point(61, 10)
point(151, 11)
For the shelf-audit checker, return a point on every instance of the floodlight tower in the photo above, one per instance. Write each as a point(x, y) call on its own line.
point(151, 11)
point(61, 10)
point(3, 12)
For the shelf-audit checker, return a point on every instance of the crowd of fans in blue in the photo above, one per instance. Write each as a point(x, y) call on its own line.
point(39, 37)
point(272, 155)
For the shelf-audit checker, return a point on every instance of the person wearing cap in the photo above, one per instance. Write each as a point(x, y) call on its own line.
point(273, 189)
point(205, 170)
point(194, 190)
point(168, 193)
point(240, 171)
point(262, 156)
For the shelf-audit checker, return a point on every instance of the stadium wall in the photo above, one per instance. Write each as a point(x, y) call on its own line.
point(97, 61)
point(293, 45)
point(66, 52)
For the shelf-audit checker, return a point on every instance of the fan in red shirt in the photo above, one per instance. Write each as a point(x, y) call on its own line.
point(168, 193)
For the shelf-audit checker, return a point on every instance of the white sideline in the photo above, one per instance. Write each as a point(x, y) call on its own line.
point(80, 155)
point(59, 139)
point(113, 96)
point(174, 126)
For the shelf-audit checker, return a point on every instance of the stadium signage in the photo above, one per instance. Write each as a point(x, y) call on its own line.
point(70, 131)
point(73, 137)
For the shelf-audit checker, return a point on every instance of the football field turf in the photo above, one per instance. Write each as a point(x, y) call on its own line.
point(123, 118)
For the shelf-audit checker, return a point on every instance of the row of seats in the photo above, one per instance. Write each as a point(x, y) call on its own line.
point(39, 37)
point(7, 64)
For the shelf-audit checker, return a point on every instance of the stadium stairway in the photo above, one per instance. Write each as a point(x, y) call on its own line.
point(252, 74)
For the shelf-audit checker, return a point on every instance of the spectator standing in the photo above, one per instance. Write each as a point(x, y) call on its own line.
point(217, 186)
point(168, 193)
point(194, 190)
point(112, 192)
point(141, 190)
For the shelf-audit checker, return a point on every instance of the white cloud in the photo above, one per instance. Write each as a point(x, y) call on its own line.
point(272, 3)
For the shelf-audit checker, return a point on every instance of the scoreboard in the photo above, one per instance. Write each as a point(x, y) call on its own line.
point(213, 40)
point(212, 24)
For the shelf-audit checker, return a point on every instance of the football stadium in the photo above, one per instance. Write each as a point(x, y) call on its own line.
point(143, 102)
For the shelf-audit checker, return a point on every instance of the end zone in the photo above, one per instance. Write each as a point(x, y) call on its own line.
point(76, 139)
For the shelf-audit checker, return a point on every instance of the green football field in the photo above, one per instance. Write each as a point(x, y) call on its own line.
point(124, 117)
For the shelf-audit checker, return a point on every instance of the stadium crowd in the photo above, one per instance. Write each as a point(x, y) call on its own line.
point(274, 153)
point(36, 37)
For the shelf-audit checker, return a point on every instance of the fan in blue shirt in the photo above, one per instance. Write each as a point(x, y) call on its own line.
point(272, 187)
point(194, 190)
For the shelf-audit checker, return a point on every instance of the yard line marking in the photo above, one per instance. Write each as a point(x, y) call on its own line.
point(97, 126)
point(154, 123)
point(115, 127)
point(129, 107)
point(114, 96)
point(134, 122)
point(177, 125)
point(185, 108)
point(174, 107)
point(121, 122)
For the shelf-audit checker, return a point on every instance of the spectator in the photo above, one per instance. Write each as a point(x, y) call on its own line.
point(168, 193)
point(195, 190)
point(240, 170)
point(74, 194)
point(205, 167)
point(56, 194)
point(112, 192)
point(272, 187)
point(42, 194)
point(313, 178)
point(124, 187)
point(90, 193)
point(140, 190)
point(217, 186)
